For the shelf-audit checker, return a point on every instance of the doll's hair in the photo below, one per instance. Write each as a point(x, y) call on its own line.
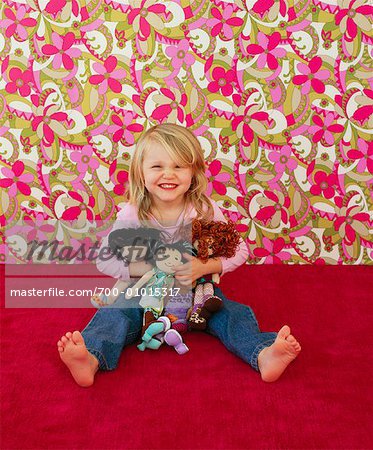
point(133, 237)
point(149, 238)
point(185, 149)
point(181, 246)
point(221, 237)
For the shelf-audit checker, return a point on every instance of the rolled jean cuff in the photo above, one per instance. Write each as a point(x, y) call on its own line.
point(102, 364)
point(259, 348)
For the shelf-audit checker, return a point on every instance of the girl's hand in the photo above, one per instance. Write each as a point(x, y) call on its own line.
point(186, 274)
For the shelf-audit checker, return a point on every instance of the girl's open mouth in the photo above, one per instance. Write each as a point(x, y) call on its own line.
point(167, 186)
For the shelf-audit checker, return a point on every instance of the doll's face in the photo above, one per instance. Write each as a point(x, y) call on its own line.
point(168, 259)
point(209, 251)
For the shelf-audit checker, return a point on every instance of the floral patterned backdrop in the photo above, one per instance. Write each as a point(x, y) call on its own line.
point(279, 92)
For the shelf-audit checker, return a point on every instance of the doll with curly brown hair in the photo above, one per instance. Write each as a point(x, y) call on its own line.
point(210, 239)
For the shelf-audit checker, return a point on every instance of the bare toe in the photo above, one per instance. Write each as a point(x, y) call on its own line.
point(68, 335)
point(273, 360)
point(284, 332)
point(77, 338)
point(64, 339)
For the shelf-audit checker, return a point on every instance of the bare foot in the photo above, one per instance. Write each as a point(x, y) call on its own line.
point(82, 364)
point(273, 360)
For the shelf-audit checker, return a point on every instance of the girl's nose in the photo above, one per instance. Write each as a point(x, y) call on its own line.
point(168, 172)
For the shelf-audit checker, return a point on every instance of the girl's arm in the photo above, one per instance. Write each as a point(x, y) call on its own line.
point(186, 274)
point(108, 263)
point(242, 253)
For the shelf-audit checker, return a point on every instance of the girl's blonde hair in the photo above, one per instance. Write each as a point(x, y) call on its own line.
point(185, 149)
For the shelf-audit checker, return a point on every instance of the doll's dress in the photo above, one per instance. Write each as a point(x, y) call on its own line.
point(177, 308)
point(159, 281)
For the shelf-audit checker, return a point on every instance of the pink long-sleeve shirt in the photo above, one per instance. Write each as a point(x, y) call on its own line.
point(127, 217)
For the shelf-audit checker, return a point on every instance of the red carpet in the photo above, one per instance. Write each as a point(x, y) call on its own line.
point(207, 398)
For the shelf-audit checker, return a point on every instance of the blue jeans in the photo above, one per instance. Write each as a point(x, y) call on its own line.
point(112, 328)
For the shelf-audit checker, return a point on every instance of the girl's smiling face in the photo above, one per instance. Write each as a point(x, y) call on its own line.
point(166, 181)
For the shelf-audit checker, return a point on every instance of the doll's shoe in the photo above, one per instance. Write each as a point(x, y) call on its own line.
point(104, 301)
point(196, 321)
point(200, 316)
point(149, 317)
point(153, 344)
point(161, 325)
point(211, 306)
point(173, 339)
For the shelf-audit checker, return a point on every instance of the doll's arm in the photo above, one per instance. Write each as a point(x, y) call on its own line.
point(216, 278)
point(143, 280)
point(119, 287)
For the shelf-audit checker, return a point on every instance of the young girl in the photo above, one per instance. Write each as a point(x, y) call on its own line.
point(167, 186)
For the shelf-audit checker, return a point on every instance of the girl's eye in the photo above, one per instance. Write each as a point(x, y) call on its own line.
point(155, 167)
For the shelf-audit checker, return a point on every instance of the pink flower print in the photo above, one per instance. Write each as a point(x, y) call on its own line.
point(311, 76)
point(247, 120)
point(350, 222)
point(108, 77)
point(47, 122)
point(84, 159)
point(179, 54)
point(365, 112)
point(216, 181)
point(324, 129)
point(353, 15)
point(83, 250)
point(283, 160)
point(19, 82)
point(171, 103)
point(364, 154)
point(16, 23)
point(123, 129)
point(272, 251)
point(223, 22)
point(55, 6)
point(122, 178)
point(62, 50)
point(275, 208)
point(38, 226)
point(273, 8)
point(146, 15)
point(222, 81)
point(324, 184)
point(267, 50)
point(16, 180)
point(80, 206)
